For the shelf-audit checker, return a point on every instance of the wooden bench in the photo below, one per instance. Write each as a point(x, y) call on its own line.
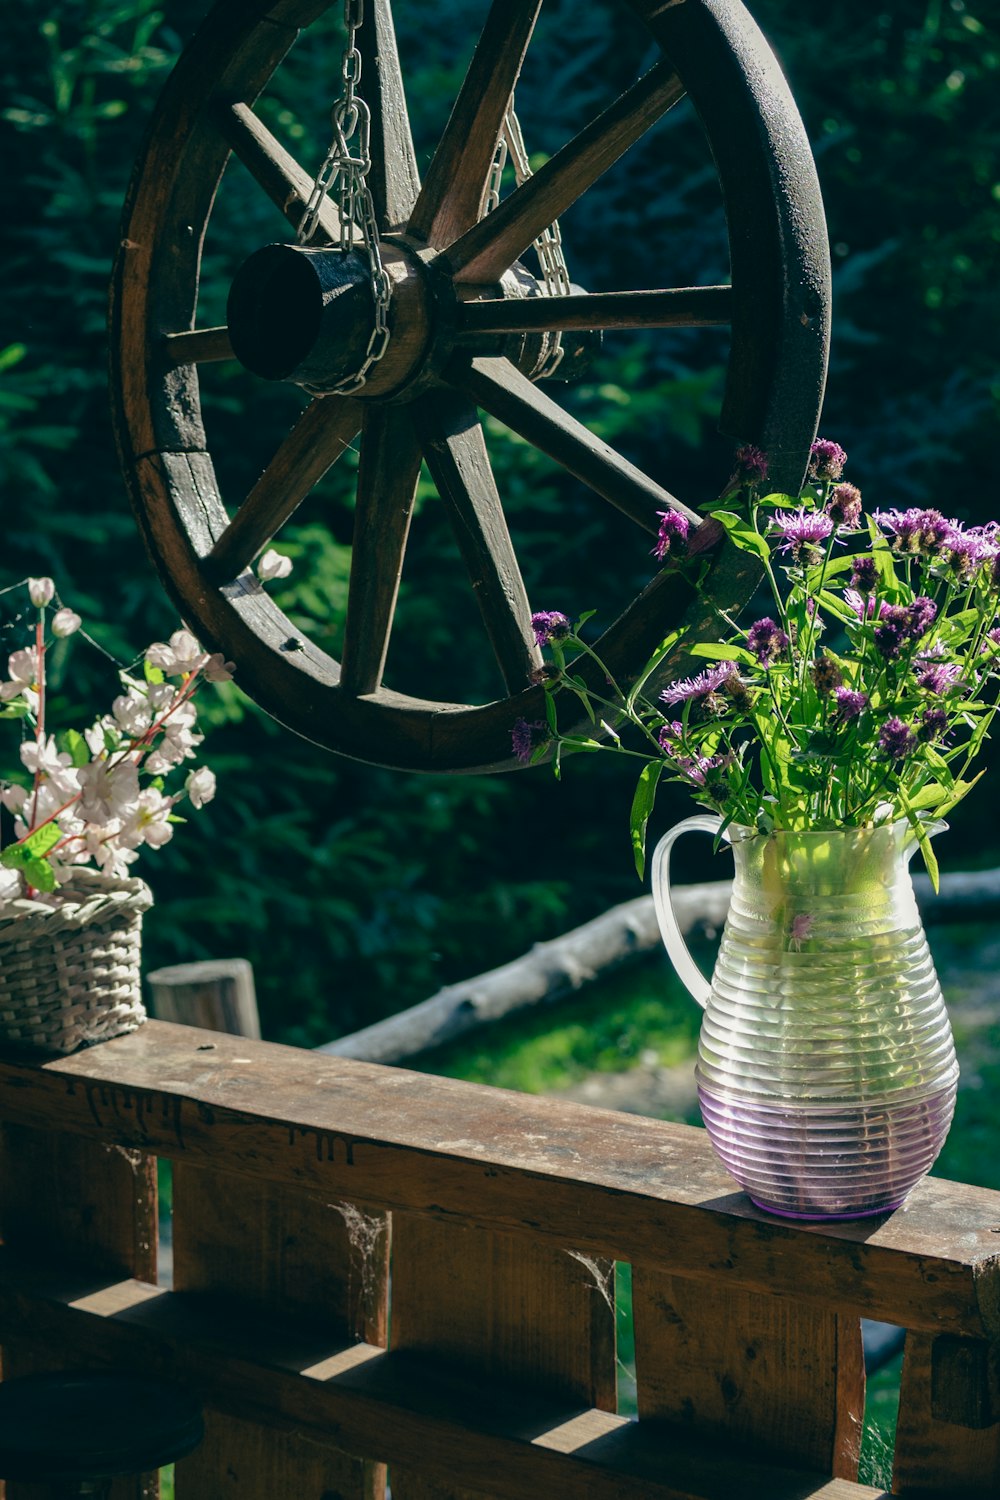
point(506, 1213)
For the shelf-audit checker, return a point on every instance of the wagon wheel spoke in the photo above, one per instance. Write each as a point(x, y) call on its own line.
point(680, 307)
point(394, 178)
point(198, 346)
point(499, 388)
point(317, 440)
point(286, 183)
point(485, 251)
point(452, 193)
point(387, 482)
point(455, 450)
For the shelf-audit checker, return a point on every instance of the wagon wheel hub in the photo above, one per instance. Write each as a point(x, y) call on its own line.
point(306, 315)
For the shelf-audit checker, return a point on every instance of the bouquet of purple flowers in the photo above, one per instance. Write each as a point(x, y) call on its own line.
point(861, 694)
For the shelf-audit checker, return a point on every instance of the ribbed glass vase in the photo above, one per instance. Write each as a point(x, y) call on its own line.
point(826, 1067)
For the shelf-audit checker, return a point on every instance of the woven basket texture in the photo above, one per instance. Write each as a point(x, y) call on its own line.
point(70, 974)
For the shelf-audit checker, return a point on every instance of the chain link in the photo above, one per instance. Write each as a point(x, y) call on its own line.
point(344, 175)
point(548, 246)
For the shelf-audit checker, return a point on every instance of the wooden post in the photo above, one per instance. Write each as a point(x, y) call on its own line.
point(778, 1378)
point(89, 1205)
point(948, 1434)
point(501, 1305)
point(217, 994)
point(278, 1252)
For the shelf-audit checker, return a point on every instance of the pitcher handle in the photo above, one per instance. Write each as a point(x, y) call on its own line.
point(677, 949)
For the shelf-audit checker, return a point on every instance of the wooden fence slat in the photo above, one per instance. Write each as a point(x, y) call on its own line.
point(503, 1306)
point(948, 1434)
point(276, 1251)
point(783, 1380)
point(83, 1201)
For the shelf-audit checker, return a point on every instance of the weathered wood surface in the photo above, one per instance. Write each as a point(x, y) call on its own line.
point(394, 178)
point(948, 1435)
point(679, 307)
point(783, 1380)
point(499, 1306)
point(607, 1183)
point(272, 1252)
point(215, 994)
point(88, 1202)
point(398, 1408)
point(551, 970)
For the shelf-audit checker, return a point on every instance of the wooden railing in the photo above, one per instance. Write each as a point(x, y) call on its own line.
point(493, 1372)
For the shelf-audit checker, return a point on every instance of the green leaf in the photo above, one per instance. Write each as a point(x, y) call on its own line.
point(642, 806)
point(16, 709)
point(550, 712)
point(37, 872)
point(111, 741)
point(76, 748)
point(152, 674)
point(742, 534)
point(782, 502)
point(662, 651)
point(717, 652)
point(42, 840)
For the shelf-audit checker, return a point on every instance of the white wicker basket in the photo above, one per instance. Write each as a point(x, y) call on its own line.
point(70, 974)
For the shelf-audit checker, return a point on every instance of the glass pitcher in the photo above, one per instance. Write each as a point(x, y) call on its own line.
point(826, 1067)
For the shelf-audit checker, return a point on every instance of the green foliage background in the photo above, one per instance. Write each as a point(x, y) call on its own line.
point(356, 891)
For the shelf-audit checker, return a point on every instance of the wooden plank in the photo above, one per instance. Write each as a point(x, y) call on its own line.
point(611, 1184)
point(397, 1407)
point(92, 1204)
point(459, 461)
point(504, 1306)
point(485, 251)
point(775, 1378)
point(387, 484)
point(499, 388)
point(217, 994)
point(456, 179)
point(948, 1434)
point(289, 1254)
point(198, 346)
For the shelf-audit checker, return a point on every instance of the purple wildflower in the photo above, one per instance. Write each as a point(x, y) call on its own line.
point(549, 625)
point(850, 704)
point(862, 607)
point(922, 614)
point(802, 532)
point(844, 507)
point(673, 533)
point(671, 736)
point(967, 550)
point(892, 630)
point(937, 676)
point(523, 741)
point(751, 464)
point(897, 739)
point(916, 530)
point(706, 684)
point(994, 635)
point(766, 640)
point(864, 575)
point(826, 459)
point(933, 723)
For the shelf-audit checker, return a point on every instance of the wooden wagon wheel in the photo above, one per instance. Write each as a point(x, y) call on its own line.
point(461, 340)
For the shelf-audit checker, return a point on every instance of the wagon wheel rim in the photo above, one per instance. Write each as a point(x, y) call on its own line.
point(425, 402)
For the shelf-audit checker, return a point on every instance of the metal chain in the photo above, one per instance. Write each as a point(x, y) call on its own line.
point(345, 176)
point(548, 246)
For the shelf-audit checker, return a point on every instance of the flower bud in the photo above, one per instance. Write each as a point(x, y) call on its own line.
point(65, 622)
point(40, 591)
point(273, 565)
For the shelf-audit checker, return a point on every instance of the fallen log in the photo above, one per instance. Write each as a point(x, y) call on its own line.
point(552, 970)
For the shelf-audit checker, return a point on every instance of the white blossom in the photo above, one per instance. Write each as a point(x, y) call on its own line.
point(273, 565)
point(23, 669)
point(40, 591)
point(200, 786)
point(43, 760)
point(10, 884)
point(65, 622)
point(133, 713)
point(181, 656)
point(13, 796)
point(108, 790)
point(217, 669)
point(148, 822)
